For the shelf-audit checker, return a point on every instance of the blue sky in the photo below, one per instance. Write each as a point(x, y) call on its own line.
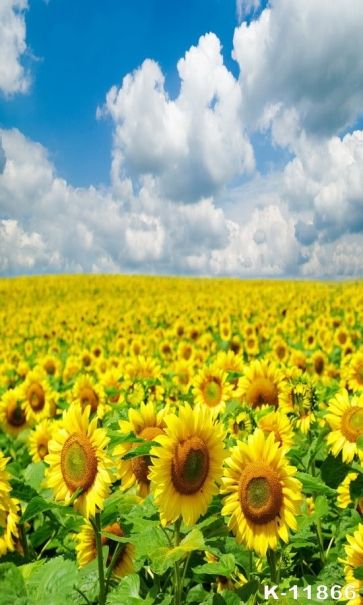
point(216, 137)
point(82, 49)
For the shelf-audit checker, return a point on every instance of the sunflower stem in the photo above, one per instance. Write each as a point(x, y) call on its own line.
point(77, 493)
point(176, 564)
point(24, 541)
point(250, 561)
point(112, 564)
point(101, 571)
point(271, 558)
point(185, 570)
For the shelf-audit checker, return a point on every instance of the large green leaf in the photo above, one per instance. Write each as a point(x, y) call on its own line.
point(224, 567)
point(39, 505)
point(127, 593)
point(313, 484)
point(12, 585)
point(333, 471)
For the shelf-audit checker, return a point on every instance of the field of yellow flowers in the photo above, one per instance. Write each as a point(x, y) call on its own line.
point(175, 440)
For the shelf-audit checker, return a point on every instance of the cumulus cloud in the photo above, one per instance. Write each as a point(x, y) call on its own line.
point(327, 178)
point(13, 76)
point(307, 55)
point(193, 145)
point(305, 233)
point(2, 157)
point(246, 7)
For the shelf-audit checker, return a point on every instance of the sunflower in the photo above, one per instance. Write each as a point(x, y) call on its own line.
point(229, 361)
point(146, 424)
point(5, 487)
point(87, 549)
point(355, 372)
point(343, 491)
point(12, 413)
point(263, 496)
point(345, 418)
point(263, 384)
point(318, 364)
point(35, 392)
point(279, 424)
point(51, 365)
point(301, 402)
point(183, 375)
point(237, 579)
point(78, 460)
point(354, 552)
point(39, 439)
point(212, 389)
point(89, 393)
point(242, 425)
point(9, 521)
point(188, 464)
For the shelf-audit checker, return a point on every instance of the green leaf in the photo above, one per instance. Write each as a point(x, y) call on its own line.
point(12, 585)
point(54, 579)
point(116, 437)
point(313, 484)
point(360, 442)
point(34, 474)
point(196, 594)
point(358, 573)
point(224, 567)
point(247, 590)
point(127, 592)
point(356, 488)
point(21, 491)
point(164, 557)
point(141, 450)
point(39, 505)
point(230, 598)
point(321, 506)
point(28, 570)
point(333, 471)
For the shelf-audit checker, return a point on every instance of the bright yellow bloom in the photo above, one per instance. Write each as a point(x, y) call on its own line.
point(263, 384)
point(12, 412)
point(211, 388)
point(146, 424)
point(78, 460)
point(188, 465)
point(263, 498)
point(345, 417)
point(87, 549)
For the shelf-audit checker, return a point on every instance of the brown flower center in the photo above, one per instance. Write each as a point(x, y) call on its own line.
point(15, 415)
point(359, 374)
point(260, 493)
point(42, 450)
point(212, 392)
point(36, 397)
point(352, 423)
point(262, 391)
point(190, 466)
point(88, 396)
point(141, 464)
point(78, 462)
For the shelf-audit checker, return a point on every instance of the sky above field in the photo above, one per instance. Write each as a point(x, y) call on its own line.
point(215, 137)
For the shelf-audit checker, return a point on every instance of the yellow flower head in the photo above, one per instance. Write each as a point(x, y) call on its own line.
point(188, 465)
point(78, 460)
point(345, 418)
point(263, 498)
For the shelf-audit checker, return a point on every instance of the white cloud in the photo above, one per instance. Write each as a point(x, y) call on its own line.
point(193, 145)
point(307, 55)
point(13, 77)
point(327, 178)
point(246, 7)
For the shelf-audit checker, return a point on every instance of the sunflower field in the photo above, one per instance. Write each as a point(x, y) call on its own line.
point(180, 441)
